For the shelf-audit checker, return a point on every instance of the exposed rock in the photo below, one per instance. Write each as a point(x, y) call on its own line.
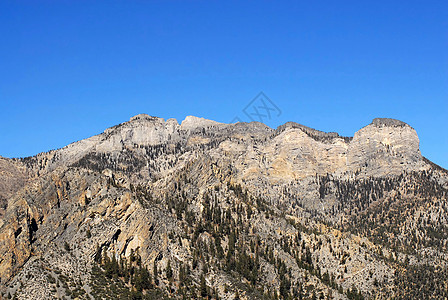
point(385, 146)
point(13, 176)
point(295, 202)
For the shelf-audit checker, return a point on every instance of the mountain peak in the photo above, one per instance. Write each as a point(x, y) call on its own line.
point(313, 133)
point(143, 188)
point(192, 122)
point(144, 117)
point(385, 145)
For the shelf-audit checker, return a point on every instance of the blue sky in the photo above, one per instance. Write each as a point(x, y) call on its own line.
point(70, 69)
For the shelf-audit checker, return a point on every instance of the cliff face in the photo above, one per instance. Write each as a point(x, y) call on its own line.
point(13, 177)
point(170, 191)
point(385, 146)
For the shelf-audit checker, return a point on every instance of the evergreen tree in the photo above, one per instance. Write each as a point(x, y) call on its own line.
point(169, 271)
point(155, 273)
point(203, 286)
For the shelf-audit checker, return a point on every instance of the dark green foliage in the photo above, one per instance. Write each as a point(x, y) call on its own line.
point(66, 246)
point(422, 282)
point(169, 271)
point(223, 239)
point(155, 273)
point(203, 287)
point(126, 279)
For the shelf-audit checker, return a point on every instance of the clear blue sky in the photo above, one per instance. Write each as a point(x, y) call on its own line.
point(70, 69)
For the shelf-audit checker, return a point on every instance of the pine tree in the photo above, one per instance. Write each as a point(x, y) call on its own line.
point(203, 286)
point(155, 273)
point(169, 271)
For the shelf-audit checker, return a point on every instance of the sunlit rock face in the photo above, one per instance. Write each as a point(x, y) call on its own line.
point(117, 192)
point(385, 146)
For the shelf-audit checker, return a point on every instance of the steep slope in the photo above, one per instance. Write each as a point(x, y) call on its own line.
point(13, 176)
point(151, 208)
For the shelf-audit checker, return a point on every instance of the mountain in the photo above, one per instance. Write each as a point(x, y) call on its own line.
point(156, 209)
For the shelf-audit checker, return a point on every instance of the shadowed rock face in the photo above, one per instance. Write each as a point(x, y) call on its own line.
point(91, 185)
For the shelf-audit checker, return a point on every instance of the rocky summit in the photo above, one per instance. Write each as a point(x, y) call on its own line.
point(154, 209)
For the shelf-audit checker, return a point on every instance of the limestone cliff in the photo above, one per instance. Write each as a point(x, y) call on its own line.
point(240, 208)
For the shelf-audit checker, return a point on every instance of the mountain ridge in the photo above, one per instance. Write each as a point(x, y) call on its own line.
point(143, 116)
point(220, 210)
point(143, 129)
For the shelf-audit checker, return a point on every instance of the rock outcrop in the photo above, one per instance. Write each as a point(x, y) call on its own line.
point(13, 176)
point(385, 146)
point(241, 208)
